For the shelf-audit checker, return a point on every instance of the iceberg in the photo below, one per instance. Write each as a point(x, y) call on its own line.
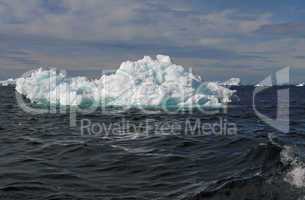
point(147, 82)
point(263, 85)
point(8, 82)
point(231, 82)
point(301, 84)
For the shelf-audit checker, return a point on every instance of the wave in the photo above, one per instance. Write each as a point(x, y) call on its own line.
point(281, 174)
point(296, 173)
point(146, 82)
point(291, 158)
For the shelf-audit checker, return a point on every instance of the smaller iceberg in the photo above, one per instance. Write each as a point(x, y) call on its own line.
point(263, 85)
point(271, 85)
point(8, 82)
point(301, 84)
point(231, 82)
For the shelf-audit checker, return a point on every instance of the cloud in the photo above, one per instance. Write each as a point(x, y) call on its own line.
point(100, 33)
point(233, 22)
point(289, 29)
point(128, 20)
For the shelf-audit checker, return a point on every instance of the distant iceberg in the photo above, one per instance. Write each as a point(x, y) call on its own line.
point(146, 82)
point(301, 84)
point(231, 82)
point(271, 85)
point(263, 85)
point(8, 82)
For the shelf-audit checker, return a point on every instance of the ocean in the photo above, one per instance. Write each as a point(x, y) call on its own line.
point(230, 153)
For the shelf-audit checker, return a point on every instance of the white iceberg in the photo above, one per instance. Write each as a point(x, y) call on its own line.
point(145, 82)
point(231, 82)
point(263, 85)
point(8, 82)
point(301, 84)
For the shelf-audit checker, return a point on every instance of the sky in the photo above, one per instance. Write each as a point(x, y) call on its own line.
point(218, 39)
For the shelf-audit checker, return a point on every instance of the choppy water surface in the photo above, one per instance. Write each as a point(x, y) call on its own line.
point(42, 157)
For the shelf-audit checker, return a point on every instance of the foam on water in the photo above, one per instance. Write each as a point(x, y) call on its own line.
point(146, 82)
point(296, 175)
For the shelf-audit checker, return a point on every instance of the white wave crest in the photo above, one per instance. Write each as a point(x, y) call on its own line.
point(296, 175)
point(145, 82)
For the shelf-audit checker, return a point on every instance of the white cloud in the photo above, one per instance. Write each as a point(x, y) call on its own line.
point(233, 22)
point(128, 20)
point(174, 23)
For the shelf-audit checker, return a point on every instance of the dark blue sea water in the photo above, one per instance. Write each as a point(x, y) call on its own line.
point(157, 156)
